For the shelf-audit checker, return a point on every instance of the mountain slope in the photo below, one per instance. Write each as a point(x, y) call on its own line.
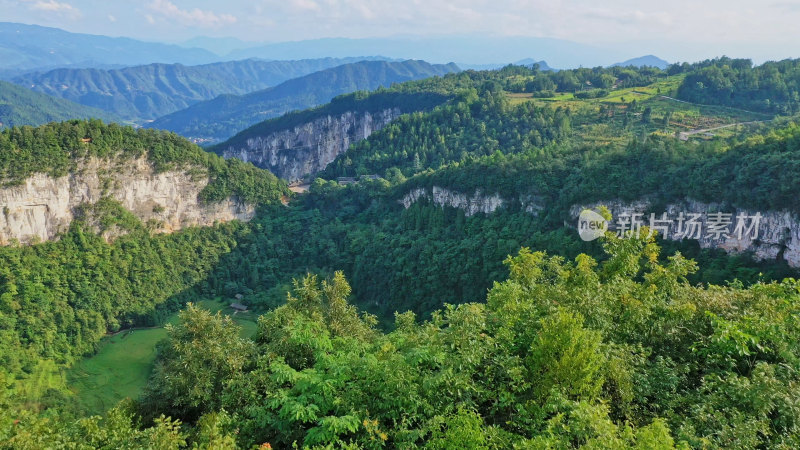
point(20, 106)
point(223, 116)
point(474, 49)
point(644, 61)
point(302, 143)
point(25, 48)
point(153, 90)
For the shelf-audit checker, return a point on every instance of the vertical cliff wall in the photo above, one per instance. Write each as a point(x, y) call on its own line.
point(43, 206)
point(776, 234)
point(308, 148)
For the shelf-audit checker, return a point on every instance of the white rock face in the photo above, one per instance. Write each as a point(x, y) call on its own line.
point(476, 203)
point(778, 234)
point(42, 206)
point(308, 148)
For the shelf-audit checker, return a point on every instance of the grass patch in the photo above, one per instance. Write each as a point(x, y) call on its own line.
point(123, 362)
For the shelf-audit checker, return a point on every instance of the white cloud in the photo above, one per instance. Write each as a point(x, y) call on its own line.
point(52, 5)
point(194, 17)
point(112, 18)
point(61, 9)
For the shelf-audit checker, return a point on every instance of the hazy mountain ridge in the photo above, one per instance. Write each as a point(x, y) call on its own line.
point(150, 91)
point(225, 115)
point(467, 49)
point(644, 61)
point(25, 48)
point(20, 106)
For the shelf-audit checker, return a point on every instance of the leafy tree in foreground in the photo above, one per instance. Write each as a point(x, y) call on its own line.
point(620, 354)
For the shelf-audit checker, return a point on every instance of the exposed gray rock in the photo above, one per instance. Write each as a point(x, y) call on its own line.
point(308, 148)
point(471, 204)
point(42, 206)
point(778, 235)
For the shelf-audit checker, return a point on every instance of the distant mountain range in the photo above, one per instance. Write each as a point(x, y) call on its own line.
point(224, 116)
point(20, 106)
point(644, 61)
point(28, 48)
point(25, 48)
point(467, 49)
point(523, 62)
point(146, 92)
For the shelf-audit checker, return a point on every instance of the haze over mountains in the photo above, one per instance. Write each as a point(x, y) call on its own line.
point(225, 115)
point(644, 61)
point(153, 90)
point(25, 48)
point(28, 48)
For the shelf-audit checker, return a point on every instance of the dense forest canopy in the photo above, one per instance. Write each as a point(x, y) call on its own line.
point(771, 87)
point(554, 358)
point(420, 334)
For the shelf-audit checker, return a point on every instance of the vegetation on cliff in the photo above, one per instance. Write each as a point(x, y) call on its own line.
point(55, 148)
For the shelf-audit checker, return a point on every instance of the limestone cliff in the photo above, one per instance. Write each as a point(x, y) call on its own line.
point(776, 236)
point(308, 148)
point(43, 206)
point(471, 204)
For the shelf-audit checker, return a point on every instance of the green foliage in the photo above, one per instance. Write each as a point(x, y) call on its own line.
point(58, 299)
point(200, 352)
point(473, 125)
point(563, 354)
point(773, 87)
point(19, 106)
point(56, 148)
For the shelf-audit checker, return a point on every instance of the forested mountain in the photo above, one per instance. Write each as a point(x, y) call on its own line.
point(147, 92)
point(441, 322)
point(26, 48)
point(773, 87)
point(227, 114)
point(20, 106)
point(84, 296)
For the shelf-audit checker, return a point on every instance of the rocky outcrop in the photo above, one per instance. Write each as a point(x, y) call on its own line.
point(308, 148)
point(776, 234)
point(471, 204)
point(43, 206)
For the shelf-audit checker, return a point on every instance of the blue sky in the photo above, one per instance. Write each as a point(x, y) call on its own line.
point(671, 29)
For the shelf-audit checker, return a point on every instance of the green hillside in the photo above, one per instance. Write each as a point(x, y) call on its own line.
point(434, 328)
point(224, 116)
point(20, 106)
point(146, 92)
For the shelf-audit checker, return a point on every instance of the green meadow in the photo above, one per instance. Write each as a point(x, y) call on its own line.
point(123, 362)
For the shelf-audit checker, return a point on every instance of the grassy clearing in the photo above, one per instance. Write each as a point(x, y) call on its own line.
point(123, 362)
point(612, 119)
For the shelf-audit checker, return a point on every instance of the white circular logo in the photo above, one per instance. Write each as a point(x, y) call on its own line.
point(591, 225)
